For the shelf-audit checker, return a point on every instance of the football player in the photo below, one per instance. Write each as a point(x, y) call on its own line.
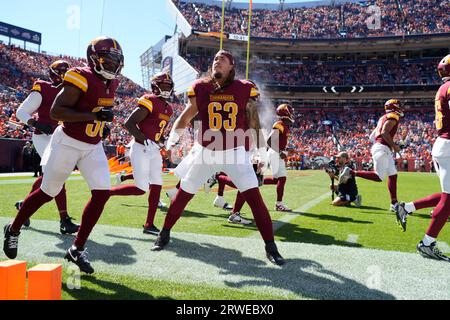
point(224, 106)
point(277, 153)
point(147, 125)
point(441, 158)
point(40, 101)
point(84, 105)
point(383, 151)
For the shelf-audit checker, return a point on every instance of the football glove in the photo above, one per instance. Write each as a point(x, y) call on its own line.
point(42, 127)
point(106, 114)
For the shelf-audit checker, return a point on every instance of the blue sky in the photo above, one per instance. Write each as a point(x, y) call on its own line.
point(136, 24)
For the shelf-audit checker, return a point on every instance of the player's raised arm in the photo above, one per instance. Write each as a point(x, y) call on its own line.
point(182, 122)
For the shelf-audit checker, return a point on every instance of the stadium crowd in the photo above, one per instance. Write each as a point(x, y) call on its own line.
point(351, 20)
point(310, 138)
point(318, 73)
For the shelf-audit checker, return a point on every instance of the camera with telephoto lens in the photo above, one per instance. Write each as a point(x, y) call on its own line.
point(332, 167)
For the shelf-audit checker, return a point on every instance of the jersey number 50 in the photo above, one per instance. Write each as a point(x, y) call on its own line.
point(216, 121)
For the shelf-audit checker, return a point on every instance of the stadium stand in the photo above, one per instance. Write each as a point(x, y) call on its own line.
point(398, 17)
point(288, 68)
point(309, 138)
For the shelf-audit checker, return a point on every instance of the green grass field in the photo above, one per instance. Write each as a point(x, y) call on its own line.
point(370, 227)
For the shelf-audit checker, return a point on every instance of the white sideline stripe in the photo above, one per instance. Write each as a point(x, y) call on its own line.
point(312, 271)
point(288, 217)
point(352, 238)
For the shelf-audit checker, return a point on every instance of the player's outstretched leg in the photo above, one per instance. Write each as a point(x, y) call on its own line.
point(404, 209)
point(92, 212)
point(175, 211)
point(264, 224)
point(427, 247)
point(30, 205)
point(34, 187)
point(392, 187)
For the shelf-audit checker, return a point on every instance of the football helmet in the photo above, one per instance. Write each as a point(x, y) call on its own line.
point(162, 85)
point(394, 105)
point(57, 70)
point(444, 68)
point(286, 112)
point(105, 57)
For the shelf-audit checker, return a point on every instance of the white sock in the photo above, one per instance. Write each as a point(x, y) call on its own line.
point(427, 240)
point(410, 207)
point(279, 202)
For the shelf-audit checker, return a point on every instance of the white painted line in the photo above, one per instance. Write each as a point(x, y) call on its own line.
point(288, 217)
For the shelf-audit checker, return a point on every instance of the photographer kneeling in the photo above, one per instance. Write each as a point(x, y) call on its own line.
point(347, 192)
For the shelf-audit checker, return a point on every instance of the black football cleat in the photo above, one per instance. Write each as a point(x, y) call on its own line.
point(431, 252)
point(151, 230)
point(80, 258)
point(18, 205)
point(273, 255)
point(162, 240)
point(66, 226)
point(402, 215)
point(10, 242)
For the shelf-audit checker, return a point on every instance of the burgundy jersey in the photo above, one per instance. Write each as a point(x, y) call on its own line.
point(97, 94)
point(155, 123)
point(223, 112)
point(283, 134)
point(388, 116)
point(442, 108)
point(48, 93)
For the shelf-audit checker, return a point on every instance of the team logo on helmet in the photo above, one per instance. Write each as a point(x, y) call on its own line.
point(394, 105)
point(444, 68)
point(285, 111)
point(162, 85)
point(57, 70)
point(105, 57)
